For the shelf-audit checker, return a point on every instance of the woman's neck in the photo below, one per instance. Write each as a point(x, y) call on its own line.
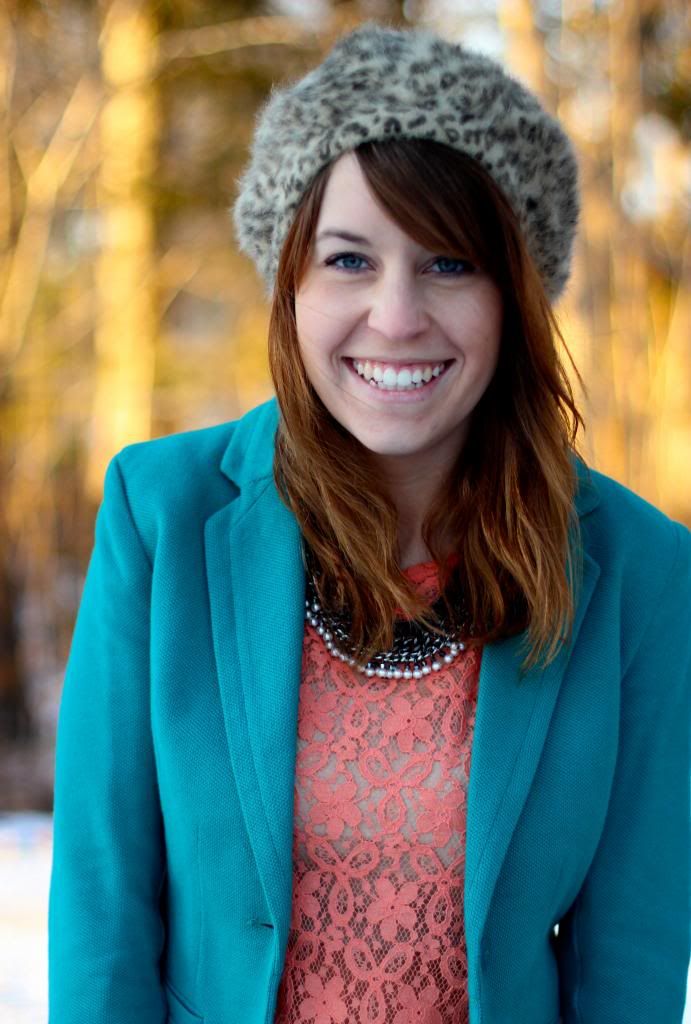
point(413, 554)
point(412, 495)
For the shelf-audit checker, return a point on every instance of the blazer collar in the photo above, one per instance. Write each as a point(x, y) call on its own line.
point(249, 455)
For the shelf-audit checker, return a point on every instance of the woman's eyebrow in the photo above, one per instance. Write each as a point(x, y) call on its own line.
point(347, 236)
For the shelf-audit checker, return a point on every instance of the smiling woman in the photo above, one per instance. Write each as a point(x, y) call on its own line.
point(377, 705)
point(443, 282)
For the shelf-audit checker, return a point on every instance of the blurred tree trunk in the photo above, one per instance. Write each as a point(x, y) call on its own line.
point(631, 325)
point(126, 326)
point(671, 435)
point(15, 718)
point(525, 49)
point(7, 67)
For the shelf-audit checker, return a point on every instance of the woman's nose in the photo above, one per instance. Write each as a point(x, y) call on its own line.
point(397, 308)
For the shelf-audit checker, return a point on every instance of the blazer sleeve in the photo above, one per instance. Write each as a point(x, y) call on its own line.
point(623, 947)
point(105, 929)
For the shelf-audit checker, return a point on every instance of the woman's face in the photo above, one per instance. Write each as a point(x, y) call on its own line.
point(374, 306)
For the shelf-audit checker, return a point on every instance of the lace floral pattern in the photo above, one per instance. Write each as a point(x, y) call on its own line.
point(379, 843)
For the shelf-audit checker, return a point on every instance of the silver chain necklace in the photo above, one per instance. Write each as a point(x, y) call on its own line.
point(416, 650)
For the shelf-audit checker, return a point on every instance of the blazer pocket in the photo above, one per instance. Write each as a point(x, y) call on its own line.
point(178, 1012)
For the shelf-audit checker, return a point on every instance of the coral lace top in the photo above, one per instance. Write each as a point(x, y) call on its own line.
point(381, 780)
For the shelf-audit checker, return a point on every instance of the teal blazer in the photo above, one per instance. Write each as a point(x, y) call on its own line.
point(170, 892)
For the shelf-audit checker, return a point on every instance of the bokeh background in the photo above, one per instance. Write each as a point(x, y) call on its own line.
point(126, 311)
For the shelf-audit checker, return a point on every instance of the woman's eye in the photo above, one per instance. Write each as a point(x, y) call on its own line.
point(449, 265)
point(346, 261)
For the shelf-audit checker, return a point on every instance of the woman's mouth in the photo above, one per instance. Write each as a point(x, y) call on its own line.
point(396, 381)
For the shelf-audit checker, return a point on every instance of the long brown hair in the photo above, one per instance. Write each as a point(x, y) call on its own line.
point(506, 508)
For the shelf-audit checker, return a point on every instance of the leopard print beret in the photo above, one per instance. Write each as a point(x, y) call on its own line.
point(382, 83)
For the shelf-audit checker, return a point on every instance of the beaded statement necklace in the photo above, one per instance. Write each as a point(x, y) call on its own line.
point(416, 651)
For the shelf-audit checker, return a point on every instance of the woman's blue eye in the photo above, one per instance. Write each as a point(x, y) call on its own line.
point(347, 256)
point(452, 264)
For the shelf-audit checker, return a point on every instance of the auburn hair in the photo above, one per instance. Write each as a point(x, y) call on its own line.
point(502, 527)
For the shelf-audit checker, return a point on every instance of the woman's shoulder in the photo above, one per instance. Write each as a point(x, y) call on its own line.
point(630, 538)
point(615, 505)
point(167, 453)
point(176, 481)
point(181, 459)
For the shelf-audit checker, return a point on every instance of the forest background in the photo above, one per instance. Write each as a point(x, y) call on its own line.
point(126, 311)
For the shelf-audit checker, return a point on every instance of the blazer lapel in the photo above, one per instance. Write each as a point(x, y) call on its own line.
point(257, 598)
point(511, 723)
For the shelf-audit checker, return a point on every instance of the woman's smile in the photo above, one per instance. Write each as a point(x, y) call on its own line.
point(404, 383)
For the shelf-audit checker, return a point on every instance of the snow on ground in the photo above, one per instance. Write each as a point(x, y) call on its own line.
point(25, 857)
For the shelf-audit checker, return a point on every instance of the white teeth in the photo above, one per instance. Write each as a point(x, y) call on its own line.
point(390, 380)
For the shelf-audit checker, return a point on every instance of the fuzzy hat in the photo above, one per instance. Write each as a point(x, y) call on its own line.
point(382, 83)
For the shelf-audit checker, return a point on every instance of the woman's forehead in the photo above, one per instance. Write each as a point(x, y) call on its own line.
point(349, 211)
point(345, 184)
point(351, 214)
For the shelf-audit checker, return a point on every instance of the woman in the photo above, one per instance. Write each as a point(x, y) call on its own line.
point(377, 705)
